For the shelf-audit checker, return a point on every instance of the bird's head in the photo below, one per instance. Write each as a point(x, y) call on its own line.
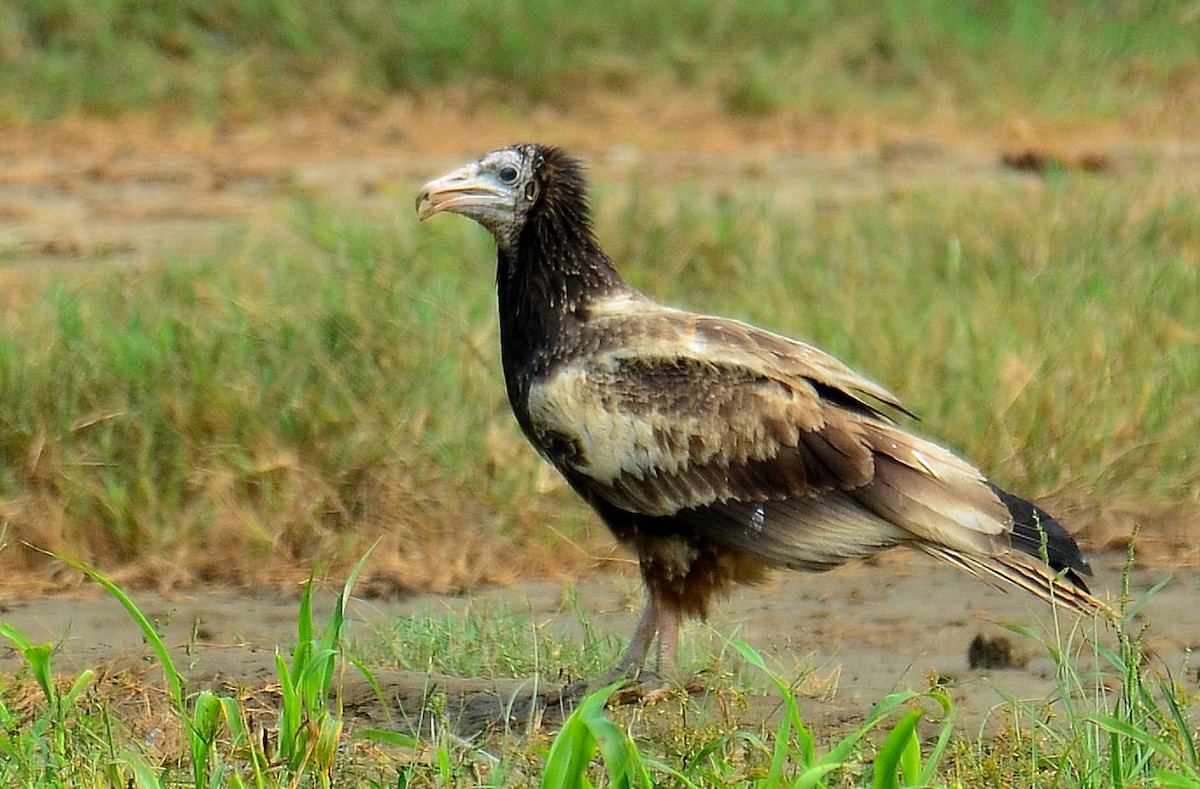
point(503, 189)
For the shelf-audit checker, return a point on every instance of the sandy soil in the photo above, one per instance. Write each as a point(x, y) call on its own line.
point(849, 637)
point(123, 193)
point(138, 188)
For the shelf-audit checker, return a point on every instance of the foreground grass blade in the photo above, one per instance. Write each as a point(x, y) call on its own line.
point(143, 776)
point(37, 657)
point(585, 730)
point(1128, 731)
point(1170, 780)
point(174, 683)
point(900, 754)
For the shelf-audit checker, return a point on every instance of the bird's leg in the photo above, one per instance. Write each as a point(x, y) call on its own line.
point(643, 686)
point(651, 686)
point(635, 654)
point(631, 662)
point(668, 642)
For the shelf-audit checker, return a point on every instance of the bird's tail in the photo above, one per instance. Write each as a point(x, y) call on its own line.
point(1045, 559)
point(1039, 535)
point(1018, 569)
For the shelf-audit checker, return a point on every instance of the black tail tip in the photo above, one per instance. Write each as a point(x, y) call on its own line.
point(1038, 534)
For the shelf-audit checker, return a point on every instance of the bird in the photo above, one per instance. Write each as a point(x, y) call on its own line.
point(718, 451)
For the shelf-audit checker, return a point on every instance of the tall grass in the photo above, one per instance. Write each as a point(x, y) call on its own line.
point(1051, 338)
point(221, 749)
point(1120, 717)
point(981, 60)
point(289, 400)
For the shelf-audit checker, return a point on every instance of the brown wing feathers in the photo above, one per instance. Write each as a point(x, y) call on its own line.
point(768, 446)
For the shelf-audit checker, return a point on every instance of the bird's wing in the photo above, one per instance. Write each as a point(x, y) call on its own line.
point(749, 435)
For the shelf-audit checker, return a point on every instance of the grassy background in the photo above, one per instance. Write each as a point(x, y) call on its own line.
point(286, 396)
point(989, 61)
point(291, 399)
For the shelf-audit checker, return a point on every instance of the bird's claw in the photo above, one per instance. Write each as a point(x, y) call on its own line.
point(644, 687)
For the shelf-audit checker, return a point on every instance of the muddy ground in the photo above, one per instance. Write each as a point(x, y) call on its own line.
point(83, 195)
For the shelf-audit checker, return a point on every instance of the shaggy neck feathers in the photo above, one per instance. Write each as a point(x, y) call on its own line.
point(546, 280)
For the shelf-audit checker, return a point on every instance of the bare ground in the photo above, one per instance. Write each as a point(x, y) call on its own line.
point(847, 638)
point(125, 192)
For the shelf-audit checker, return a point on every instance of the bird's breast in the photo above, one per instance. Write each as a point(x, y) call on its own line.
point(581, 428)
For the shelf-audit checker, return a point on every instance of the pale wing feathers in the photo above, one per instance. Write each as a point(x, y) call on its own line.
point(731, 342)
point(836, 530)
point(935, 494)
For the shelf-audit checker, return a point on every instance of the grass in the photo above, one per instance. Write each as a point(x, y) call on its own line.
point(489, 641)
point(307, 732)
point(980, 61)
point(1120, 723)
point(280, 402)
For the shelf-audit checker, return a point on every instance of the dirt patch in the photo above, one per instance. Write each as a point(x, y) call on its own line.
point(142, 187)
point(850, 637)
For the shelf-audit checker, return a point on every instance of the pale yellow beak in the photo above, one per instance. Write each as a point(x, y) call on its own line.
point(465, 187)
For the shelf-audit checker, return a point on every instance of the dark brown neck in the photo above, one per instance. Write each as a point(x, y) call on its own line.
point(545, 286)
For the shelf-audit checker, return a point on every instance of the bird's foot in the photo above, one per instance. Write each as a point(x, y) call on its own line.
point(649, 687)
point(645, 687)
point(573, 692)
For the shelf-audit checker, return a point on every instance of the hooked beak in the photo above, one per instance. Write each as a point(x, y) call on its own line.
point(454, 191)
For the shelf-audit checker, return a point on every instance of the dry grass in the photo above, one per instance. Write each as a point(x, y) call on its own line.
point(238, 416)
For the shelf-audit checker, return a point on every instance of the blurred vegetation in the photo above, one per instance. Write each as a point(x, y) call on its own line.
point(987, 60)
point(288, 398)
point(292, 399)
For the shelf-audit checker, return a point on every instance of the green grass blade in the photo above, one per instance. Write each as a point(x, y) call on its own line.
point(369, 676)
point(343, 601)
point(576, 744)
point(77, 687)
point(331, 635)
point(143, 776)
point(1132, 609)
point(779, 754)
point(174, 682)
point(1182, 726)
point(240, 737)
point(305, 629)
point(943, 740)
point(290, 713)
point(792, 720)
point(1169, 780)
point(16, 636)
point(396, 739)
point(1116, 772)
point(812, 777)
point(621, 756)
point(895, 755)
point(38, 657)
point(1138, 735)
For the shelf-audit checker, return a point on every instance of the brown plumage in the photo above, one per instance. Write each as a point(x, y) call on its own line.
point(715, 449)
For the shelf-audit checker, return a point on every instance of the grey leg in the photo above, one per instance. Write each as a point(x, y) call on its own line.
point(647, 627)
point(668, 642)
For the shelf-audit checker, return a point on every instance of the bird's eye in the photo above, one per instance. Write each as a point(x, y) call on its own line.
point(508, 174)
